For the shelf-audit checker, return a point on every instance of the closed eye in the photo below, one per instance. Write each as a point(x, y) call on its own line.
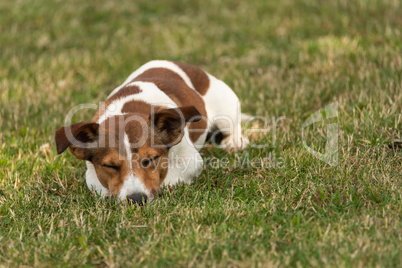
point(148, 161)
point(111, 167)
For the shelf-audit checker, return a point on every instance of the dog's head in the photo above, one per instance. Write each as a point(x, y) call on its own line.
point(128, 152)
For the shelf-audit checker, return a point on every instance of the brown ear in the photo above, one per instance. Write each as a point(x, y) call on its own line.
point(77, 136)
point(169, 123)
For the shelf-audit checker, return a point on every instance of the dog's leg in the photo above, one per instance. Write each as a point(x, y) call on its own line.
point(224, 113)
point(185, 162)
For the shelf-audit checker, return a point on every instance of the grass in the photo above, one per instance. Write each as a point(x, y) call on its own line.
point(282, 58)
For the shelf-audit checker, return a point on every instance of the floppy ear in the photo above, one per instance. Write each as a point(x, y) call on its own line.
point(77, 136)
point(169, 123)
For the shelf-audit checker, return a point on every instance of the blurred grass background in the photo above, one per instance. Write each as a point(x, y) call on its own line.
point(282, 58)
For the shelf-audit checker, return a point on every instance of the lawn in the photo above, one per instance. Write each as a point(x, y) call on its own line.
point(284, 59)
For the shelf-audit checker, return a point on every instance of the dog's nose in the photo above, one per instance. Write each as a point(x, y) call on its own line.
point(137, 198)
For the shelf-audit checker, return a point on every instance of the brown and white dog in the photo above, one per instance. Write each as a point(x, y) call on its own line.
point(149, 130)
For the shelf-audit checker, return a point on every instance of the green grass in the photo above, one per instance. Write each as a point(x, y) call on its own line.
point(282, 58)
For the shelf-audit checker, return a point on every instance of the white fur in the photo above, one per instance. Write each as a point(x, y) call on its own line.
point(200, 142)
point(185, 162)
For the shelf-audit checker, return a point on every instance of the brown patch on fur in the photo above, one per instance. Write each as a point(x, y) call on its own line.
point(197, 76)
point(175, 87)
point(124, 92)
point(137, 106)
point(110, 178)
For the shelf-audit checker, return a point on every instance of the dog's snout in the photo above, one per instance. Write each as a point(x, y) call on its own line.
point(137, 198)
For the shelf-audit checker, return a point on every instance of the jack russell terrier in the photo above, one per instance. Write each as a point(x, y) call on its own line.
point(150, 129)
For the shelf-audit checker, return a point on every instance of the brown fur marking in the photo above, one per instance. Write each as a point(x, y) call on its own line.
point(197, 76)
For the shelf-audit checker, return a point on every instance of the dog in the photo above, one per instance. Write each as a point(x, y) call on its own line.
point(150, 129)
